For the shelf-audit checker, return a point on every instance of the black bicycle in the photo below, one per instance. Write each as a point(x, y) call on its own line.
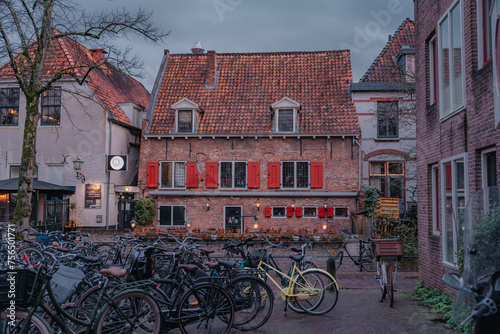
point(365, 258)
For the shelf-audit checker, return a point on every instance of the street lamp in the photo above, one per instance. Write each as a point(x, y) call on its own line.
point(77, 165)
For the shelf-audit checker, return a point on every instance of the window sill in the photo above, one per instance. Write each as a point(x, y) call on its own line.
point(387, 139)
point(450, 265)
point(450, 115)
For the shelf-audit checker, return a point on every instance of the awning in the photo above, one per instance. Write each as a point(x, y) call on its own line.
point(11, 185)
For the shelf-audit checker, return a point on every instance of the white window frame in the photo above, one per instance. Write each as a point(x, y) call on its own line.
point(432, 47)
point(286, 104)
point(275, 207)
point(447, 16)
point(435, 200)
point(340, 217)
point(233, 174)
point(173, 162)
point(453, 161)
point(484, 166)
point(481, 22)
point(172, 215)
point(309, 207)
point(187, 105)
point(61, 104)
point(35, 176)
point(295, 175)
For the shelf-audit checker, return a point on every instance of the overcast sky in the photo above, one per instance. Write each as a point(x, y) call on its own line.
point(363, 26)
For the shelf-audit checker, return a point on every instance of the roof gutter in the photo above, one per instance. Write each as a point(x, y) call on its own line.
point(249, 135)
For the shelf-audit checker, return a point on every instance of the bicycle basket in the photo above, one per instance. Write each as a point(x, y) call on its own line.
point(18, 287)
point(255, 256)
point(389, 248)
point(64, 282)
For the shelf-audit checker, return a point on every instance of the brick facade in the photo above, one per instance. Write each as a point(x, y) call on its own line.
point(469, 131)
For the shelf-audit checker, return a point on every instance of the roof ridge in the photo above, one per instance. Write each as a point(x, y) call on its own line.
point(387, 45)
point(264, 53)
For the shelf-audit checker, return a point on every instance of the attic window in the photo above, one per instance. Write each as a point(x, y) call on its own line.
point(187, 116)
point(286, 115)
point(185, 121)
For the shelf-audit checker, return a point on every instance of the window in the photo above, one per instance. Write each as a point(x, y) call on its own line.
point(388, 178)
point(310, 212)
point(489, 168)
point(433, 84)
point(9, 106)
point(295, 174)
point(185, 121)
point(387, 119)
point(233, 174)
point(485, 39)
point(172, 174)
point(14, 172)
point(341, 212)
point(453, 184)
point(285, 120)
point(451, 75)
point(279, 212)
point(51, 107)
point(172, 215)
point(436, 225)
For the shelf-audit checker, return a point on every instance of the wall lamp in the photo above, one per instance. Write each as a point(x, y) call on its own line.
point(324, 203)
point(132, 224)
point(257, 203)
point(255, 223)
point(77, 165)
point(293, 203)
point(188, 224)
point(324, 225)
point(207, 202)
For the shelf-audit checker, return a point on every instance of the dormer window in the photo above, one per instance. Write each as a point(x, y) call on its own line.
point(187, 116)
point(286, 115)
point(185, 121)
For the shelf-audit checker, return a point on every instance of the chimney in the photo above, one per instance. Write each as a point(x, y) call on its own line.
point(211, 68)
point(197, 48)
point(98, 54)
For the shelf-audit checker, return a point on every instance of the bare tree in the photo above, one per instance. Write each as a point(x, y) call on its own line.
point(28, 28)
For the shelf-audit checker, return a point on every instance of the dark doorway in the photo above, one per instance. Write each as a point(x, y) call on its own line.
point(126, 205)
point(233, 219)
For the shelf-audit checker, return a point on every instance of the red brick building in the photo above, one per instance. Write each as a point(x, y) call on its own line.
point(457, 121)
point(234, 137)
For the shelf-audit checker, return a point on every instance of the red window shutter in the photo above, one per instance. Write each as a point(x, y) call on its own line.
point(192, 175)
point(298, 212)
point(329, 212)
point(317, 174)
point(267, 212)
point(273, 180)
point(289, 211)
point(253, 175)
point(212, 175)
point(321, 212)
point(152, 175)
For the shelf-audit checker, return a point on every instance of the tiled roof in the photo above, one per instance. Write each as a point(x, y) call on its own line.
point(384, 68)
point(110, 85)
point(249, 83)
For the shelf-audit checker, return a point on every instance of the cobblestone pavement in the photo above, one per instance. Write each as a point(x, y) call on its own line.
point(359, 311)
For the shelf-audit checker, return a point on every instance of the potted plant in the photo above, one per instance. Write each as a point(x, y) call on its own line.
point(145, 210)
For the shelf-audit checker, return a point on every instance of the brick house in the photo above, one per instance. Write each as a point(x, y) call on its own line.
point(95, 122)
point(234, 137)
point(457, 120)
point(384, 99)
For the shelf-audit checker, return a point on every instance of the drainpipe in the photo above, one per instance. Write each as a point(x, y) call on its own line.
point(108, 177)
point(359, 163)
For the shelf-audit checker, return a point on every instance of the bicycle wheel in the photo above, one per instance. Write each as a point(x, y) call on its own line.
point(315, 291)
point(253, 302)
point(107, 253)
point(390, 286)
point(134, 312)
point(32, 256)
point(206, 308)
point(381, 280)
point(338, 259)
point(368, 262)
point(36, 326)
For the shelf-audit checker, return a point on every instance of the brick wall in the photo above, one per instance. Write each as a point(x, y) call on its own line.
point(470, 130)
point(340, 157)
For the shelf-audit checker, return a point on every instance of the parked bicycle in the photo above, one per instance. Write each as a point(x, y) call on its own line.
point(364, 258)
point(388, 253)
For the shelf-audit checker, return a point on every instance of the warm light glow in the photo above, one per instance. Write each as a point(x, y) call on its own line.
point(132, 224)
point(13, 111)
point(325, 203)
point(255, 225)
point(208, 204)
point(293, 203)
point(127, 189)
point(324, 225)
point(188, 224)
point(257, 204)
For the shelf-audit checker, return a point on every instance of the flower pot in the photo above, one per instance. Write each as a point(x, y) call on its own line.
point(295, 238)
point(316, 237)
point(213, 237)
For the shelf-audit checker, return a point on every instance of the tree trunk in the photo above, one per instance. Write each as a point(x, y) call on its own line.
point(28, 163)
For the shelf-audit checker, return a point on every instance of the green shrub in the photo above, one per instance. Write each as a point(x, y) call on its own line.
point(145, 210)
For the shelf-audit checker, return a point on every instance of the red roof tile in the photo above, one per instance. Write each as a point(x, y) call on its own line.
point(384, 68)
point(110, 85)
point(249, 83)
